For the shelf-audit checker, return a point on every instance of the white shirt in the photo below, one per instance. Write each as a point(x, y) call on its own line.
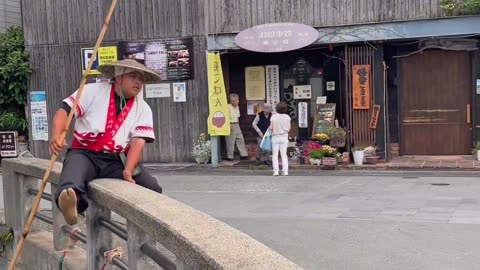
point(280, 124)
point(98, 129)
point(234, 113)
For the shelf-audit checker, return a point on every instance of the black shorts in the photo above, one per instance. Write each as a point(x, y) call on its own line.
point(82, 166)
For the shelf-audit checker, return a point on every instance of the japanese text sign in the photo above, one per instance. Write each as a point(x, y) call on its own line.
point(104, 55)
point(276, 37)
point(361, 87)
point(217, 98)
point(8, 143)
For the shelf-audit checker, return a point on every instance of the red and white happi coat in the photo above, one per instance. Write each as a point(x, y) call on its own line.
point(98, 129)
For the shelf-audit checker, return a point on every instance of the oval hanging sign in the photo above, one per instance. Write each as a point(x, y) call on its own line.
point(276, 37)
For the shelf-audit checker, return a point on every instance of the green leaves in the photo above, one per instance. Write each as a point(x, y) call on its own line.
point(465, 7)
point(13, 121)
point(15, 69)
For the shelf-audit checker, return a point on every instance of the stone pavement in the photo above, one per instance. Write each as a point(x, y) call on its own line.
point(347, 222)
point(398, 221)
point(425, 199)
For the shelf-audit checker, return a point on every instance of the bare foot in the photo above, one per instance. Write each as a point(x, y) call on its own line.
point(68, 205)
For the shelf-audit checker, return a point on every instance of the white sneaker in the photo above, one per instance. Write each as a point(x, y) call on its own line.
point(275, 174)
point(285, 174)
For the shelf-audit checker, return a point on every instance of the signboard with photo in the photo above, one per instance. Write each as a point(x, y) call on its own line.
point(302, 92)
point(324, 118)
point(170, 58)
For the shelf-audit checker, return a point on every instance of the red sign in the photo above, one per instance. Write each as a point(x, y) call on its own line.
point(276, 37)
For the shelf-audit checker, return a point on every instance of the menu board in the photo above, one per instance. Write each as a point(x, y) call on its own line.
point(170, 58)
point(324, 118)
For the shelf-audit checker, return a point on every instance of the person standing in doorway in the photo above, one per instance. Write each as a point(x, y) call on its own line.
point(261, 124)
point(279, 127)
point(236, 136)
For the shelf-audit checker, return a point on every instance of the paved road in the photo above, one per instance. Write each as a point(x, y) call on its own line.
point(347, 222)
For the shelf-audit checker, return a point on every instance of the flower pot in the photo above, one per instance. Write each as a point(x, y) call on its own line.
point(372, 160)
point(358, 157)
point(329, 161)
point(314, 161)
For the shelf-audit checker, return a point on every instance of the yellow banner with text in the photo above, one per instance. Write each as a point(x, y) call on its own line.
point(218, 124)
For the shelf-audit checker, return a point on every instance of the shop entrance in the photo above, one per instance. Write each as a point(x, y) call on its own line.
point(435, 102)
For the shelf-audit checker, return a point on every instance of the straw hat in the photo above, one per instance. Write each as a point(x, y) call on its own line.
point(128, 65)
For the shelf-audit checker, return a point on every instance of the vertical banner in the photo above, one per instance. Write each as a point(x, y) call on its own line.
point(303, 115)
point(255, 83)
point(217, 98)
point(38, 111)
point(273, 86)
point(361, 87)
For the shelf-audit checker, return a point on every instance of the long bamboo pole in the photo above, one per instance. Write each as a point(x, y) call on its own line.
point(36, 203)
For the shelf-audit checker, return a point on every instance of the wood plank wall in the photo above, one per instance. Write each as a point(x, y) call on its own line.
point(235, 15)
point(55, 31)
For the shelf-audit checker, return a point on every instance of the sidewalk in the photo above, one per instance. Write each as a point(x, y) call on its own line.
point(443, 163)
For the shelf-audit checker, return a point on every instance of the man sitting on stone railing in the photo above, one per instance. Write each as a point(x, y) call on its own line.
point(111, 129)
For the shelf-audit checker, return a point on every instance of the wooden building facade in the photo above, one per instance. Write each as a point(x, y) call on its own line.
point(10, 14)
point(352, 32)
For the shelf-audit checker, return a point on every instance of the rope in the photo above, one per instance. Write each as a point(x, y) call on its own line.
point(109, 255)
point(72, 239)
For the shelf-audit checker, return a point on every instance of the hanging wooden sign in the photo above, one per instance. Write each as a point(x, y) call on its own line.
point(361, 87)
point(374, 118)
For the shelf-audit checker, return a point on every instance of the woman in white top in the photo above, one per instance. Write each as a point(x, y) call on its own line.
point(279, 127)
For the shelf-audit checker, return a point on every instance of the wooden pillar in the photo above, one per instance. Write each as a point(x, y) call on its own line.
point(379, 97)
point(476, 95)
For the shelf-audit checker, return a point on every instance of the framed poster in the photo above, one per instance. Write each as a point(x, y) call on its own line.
point(255, 83)
point(179, 92)
point(38, 114)
point(302, 92)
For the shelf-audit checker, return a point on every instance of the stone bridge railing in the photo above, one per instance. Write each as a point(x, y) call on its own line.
point(196, 240)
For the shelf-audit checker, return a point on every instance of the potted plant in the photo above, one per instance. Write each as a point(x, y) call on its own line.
point(330, 156)
point(201, 151)
point(310, 145)
point(370, 154)
point(358, 155)
point(476, 150)
point(338, 137)
point(315, 157)
point(321, 138)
